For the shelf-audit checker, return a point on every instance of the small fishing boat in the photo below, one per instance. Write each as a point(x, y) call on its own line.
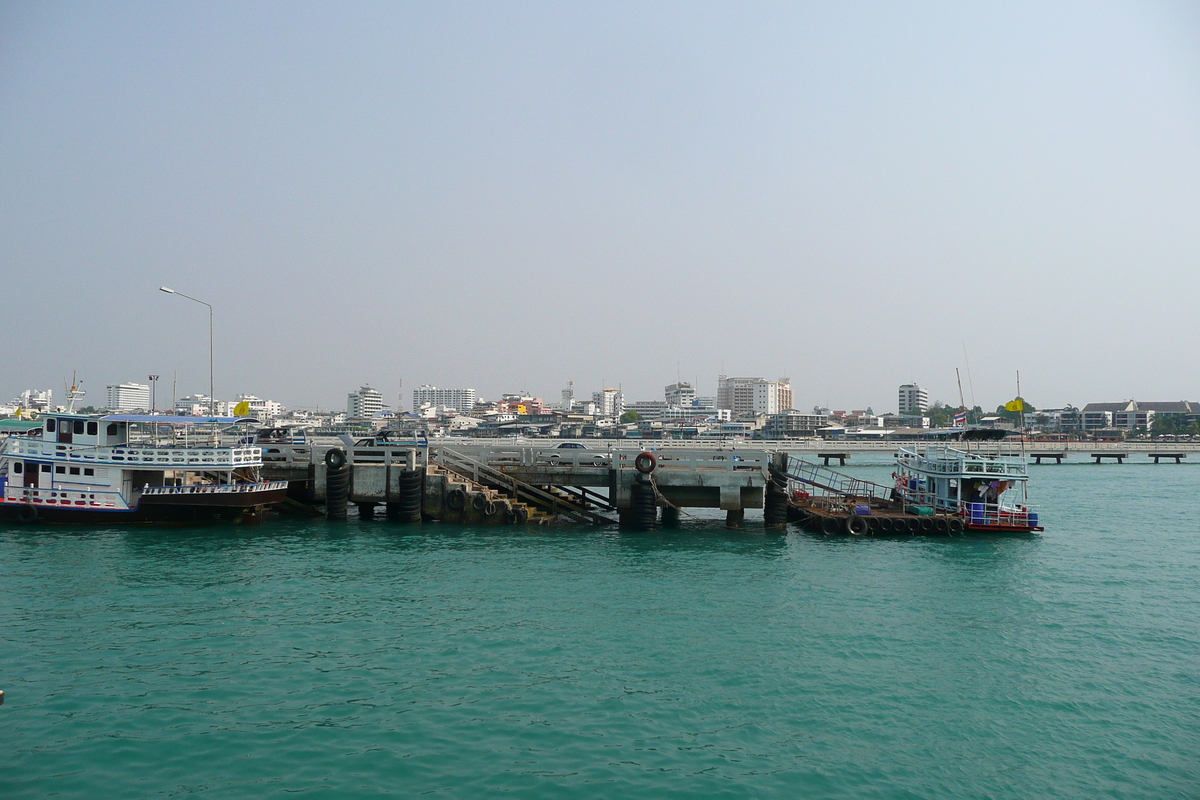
point(81, 468)
point(987, 490)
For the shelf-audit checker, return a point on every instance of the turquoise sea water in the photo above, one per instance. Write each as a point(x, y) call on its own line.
point(366, 659)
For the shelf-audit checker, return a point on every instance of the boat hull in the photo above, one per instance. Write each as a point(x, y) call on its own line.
point(240, 506)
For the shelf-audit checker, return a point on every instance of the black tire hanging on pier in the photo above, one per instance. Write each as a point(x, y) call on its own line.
point(456, 500)
point(956, 526)
point(490, 509)
point(927, 525)
point(775, 507)
point(856, 525)
point(645, 463)
point(410, 491)
point(942, 525)
point(479, 501)
point(643, 506)
point(519, 516)
point(886, 525)
point(337, 484)
point(912, 525)
point(830, 525)
point(872, 525)
point(27, 513)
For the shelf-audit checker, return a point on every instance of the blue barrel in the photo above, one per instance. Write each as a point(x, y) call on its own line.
point(1033, 519)
point(862, 510)
point(977, 515)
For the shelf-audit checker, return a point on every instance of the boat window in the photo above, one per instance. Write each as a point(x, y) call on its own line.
point(92, 427)
point(50, 424)
point(89, 471)
point(60, 470)
point(111, 429)
point(18, 467)
point(45, 467)
point(78, 426)
point(74, 470)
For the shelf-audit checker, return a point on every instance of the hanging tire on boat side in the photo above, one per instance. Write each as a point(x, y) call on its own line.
point(956, 526)
point(645, 463)
point(856, 525)
point(886, 525)
point(927, 525)
point(942, 525)
point(27, 514)
point(456, 500)
point(912, 525)
point(830, 526)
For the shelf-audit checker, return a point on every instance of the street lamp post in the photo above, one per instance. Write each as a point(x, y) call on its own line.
point(212, 400)
point(153, 394)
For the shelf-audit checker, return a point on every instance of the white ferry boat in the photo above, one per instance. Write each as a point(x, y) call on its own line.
point(80, 468)
point(989, 491)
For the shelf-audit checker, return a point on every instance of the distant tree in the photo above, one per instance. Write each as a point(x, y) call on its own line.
point(630, 416)
point(89, 410)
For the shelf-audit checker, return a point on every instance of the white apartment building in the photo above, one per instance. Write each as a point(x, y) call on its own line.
point(365, 403)
point(568, 397)
point(35, 400)
point(261, 409)
point(128, 397)
point(754, 395)
point(609, 402)
point(457, 399)
point(913, 400)
point(680, 395)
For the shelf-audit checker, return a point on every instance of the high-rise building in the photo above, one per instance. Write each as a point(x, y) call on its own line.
point(366, 402)
point(458, 399)
point(568, 396)
point(913, 399)
point(35, 400)
point(680, 395)
point(609, 402)
point(747, 396)
point(129, 397)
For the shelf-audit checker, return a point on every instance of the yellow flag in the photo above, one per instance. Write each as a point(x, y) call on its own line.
point(1015, 405)
point(241, 409)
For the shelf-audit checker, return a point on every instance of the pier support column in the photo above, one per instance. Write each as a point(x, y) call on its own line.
point(735, 518)
point(366, 510)
point(670, 517)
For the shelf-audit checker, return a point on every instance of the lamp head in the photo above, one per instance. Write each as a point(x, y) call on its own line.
point(165, 289)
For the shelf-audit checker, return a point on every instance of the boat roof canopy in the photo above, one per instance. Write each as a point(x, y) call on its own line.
point(165, 419)
point(980, 435)
point(19, 424)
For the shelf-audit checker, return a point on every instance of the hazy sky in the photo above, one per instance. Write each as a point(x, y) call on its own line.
point(515, 195)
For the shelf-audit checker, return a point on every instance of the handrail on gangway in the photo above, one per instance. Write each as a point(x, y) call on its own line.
point(810, 474)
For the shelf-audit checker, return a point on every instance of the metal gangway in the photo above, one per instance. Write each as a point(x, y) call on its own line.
point(830, 481)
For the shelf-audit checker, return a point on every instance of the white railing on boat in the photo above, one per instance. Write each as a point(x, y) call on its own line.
point(158, 457)
point(86, 499)
point(222, 488)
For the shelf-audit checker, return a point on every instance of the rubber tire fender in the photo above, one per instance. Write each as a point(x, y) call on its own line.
point(927, 524)
point(942, 525)
point(856, 525)
point(456, 500)
point(886, 525)
point(830, 525)
point(478, 501)
point(490, 509)
point(335, 458)
point(956, 526)
point(27, 513)
point(645, 463)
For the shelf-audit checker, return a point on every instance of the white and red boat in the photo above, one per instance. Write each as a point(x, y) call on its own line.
point(81, 468)
point(987, 489)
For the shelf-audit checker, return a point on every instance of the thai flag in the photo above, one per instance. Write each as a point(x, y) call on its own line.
point(960, 419)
